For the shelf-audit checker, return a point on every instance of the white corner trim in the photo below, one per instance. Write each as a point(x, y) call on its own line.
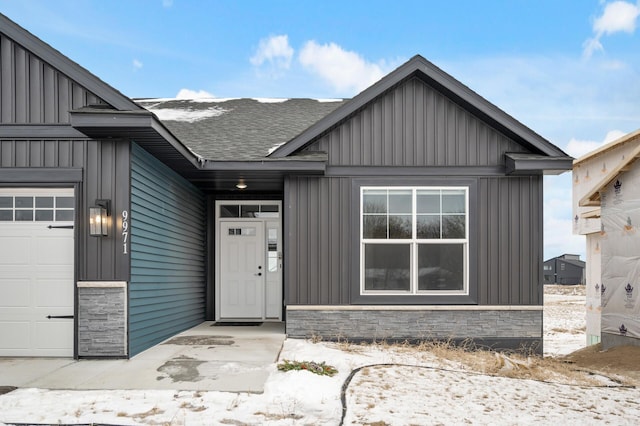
point(102, 284)
point(414, 308)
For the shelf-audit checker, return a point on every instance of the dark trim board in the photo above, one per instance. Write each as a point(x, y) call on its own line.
point(40, 175)
point(412, 171)
point(35, 131)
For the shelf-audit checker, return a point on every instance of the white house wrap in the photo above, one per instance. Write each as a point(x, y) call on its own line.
point(620, 202)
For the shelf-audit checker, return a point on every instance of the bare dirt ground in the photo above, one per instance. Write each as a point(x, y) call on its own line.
point(620, 363)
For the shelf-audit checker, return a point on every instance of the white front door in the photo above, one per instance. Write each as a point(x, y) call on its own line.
point(36, 272)
point(242, 270)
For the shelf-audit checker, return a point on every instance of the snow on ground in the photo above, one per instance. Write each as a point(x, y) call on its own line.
point(394, 386)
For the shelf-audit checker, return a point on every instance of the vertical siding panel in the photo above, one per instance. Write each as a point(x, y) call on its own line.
point(64, 99)
point(398, 140)
point(167, 290)
point(451, 130)
point(7, 86)
point(49, 85)
point(343, 136)
point(303, 235)
point(35, 90)
point(21, 95)
point(420, 121)
point(64, 154)
point(322, 259)
point(408, 125)
point(472, 143)
point(386, 118)
point(6, 153)
point(494, 241)
point(21, 156)
point(347, 257)
point(483, 243)
point(441, 129)
point(515, 283)
point(462, 137)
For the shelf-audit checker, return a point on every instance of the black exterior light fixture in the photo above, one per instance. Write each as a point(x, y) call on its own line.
point(99, 218)
point(241, 184)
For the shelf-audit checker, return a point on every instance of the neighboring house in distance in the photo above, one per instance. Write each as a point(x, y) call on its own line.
point(567, 269)
point(606, 184)
point(412, 211)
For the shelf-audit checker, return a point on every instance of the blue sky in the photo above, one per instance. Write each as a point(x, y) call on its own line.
point(570, 70)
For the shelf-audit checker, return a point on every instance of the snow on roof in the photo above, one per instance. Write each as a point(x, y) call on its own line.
point(187, 115)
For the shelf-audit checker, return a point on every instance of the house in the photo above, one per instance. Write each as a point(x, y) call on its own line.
point(605, 200)
point(412, 211)
point(567, 269)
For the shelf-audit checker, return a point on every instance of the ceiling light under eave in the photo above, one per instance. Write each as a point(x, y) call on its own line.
point(241, 185)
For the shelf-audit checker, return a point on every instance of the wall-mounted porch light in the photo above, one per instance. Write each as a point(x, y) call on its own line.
point(241, 184)
point(98, 218)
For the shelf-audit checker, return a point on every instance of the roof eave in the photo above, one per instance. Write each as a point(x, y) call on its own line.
point(527, 164)
point(131, 125)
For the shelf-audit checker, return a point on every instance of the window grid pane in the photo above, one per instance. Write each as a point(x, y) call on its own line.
point(430, 220)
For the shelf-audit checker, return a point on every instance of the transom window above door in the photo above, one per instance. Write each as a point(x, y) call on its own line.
point(414, 240)
point(233, 210)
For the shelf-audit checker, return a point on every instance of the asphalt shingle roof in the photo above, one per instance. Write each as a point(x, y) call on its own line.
point(238, 129)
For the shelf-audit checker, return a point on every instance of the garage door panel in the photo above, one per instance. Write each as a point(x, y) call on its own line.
point(53, 293)
point(15, 250)
point(15, 292)
point(53, 334)
point(54, 251)
point(15, 335)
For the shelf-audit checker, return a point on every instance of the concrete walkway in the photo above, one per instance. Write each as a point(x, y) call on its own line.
point(206, 357)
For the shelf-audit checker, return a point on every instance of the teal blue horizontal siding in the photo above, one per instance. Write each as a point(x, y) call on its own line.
point(167, 291)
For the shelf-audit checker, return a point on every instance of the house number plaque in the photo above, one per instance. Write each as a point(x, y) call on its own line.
point(125, 231)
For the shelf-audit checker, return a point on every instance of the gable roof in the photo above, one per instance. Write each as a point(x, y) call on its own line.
point(592, 198)
point(239, 129)
point(434, 76)
point(65, 65)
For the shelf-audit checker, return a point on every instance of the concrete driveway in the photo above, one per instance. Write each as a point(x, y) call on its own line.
point(206, 357)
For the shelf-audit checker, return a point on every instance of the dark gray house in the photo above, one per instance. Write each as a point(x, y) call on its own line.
point(567, 269)
point(412, 211)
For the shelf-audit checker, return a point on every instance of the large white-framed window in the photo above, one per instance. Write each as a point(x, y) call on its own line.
point(414, 240)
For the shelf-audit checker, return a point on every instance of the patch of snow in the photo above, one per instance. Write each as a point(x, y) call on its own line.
point(271, 100)
point(329, 100)
point(209, 100)
point(273, 148)
point(187, 115)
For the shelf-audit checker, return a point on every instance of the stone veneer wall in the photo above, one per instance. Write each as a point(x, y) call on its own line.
point(102, 319)
point(499, 328)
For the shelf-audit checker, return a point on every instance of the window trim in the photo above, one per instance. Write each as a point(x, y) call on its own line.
point(414, 242)
point(473, 182)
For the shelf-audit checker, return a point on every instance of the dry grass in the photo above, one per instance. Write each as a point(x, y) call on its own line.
point(520, 365)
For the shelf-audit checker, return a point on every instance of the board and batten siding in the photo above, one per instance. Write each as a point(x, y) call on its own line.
point(413, 124)
point(31, 91)
point(320, 266)
point(168, 253)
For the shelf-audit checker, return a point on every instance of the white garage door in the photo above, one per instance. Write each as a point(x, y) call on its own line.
point(36, 272)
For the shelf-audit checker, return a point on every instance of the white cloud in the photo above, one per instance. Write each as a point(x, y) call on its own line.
point(346, 71)
point(275, 50)
point(137, 64)
point(577, 148)
point(192, 94)
point(618, 16)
